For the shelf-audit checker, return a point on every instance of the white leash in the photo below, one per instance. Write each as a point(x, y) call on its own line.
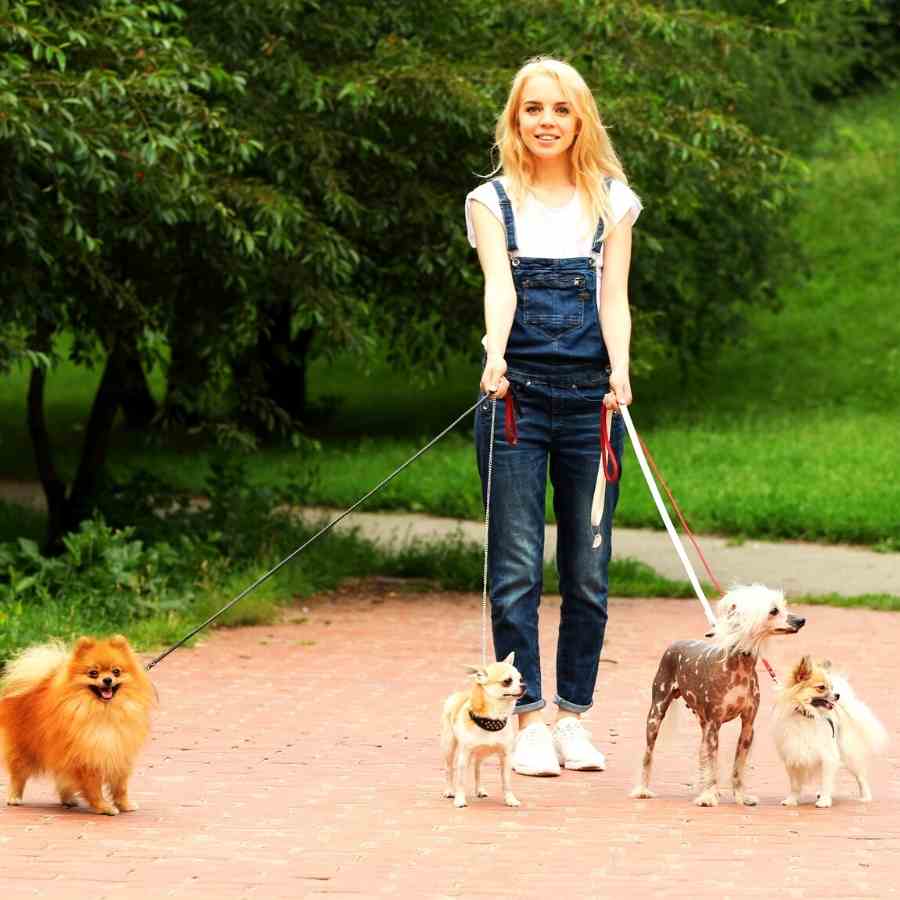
point(487, 523)
point(664, 513)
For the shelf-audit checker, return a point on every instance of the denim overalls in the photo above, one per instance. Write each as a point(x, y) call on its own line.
point(558, 368)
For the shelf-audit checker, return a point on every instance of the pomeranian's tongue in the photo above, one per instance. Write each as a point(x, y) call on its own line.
point(106, 693)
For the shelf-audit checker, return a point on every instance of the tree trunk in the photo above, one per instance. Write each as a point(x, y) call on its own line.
point(283, 361)
point(138, 405)
point(66, 511)
point(54, 487)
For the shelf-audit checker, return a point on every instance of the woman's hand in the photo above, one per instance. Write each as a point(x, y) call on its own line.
point(620, 389)
point(493, 379)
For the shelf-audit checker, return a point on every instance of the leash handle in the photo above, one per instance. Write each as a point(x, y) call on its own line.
point(607, 456)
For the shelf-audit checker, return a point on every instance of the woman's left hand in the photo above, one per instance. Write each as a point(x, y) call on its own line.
point(620, 389)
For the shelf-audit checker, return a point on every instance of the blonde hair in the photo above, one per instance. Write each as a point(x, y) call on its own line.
point(592, 154)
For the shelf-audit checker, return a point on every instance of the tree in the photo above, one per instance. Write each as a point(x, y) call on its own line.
point(114, 132)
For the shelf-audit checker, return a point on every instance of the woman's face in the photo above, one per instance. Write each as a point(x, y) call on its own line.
point(547, 122)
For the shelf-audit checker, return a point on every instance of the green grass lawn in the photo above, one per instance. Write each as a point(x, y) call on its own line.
point(791, 433)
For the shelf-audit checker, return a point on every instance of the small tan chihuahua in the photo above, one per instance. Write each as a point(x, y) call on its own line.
point(477, 723)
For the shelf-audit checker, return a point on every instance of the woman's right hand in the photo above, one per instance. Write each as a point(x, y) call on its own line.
point(493, 379)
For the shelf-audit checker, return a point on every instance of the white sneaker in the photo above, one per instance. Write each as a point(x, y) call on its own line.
point(534, 753)
point(574, 749)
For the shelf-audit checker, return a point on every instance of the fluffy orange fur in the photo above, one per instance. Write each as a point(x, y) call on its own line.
point(80, 716)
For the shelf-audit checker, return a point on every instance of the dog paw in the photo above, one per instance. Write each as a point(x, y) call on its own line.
point(13, 801)
point(642, 793)
point(510, 800)
point(823, 802)
point(449, 793)
point(105, 809)
point(459, 802)
point(69, 802)
point(707, 798)
point(746, 800)
point(865, 798)
point(128, 806)
point(790, 801)
point(482, 793)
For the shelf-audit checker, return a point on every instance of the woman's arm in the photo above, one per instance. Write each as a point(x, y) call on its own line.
point(615, 318)
point(499, 296)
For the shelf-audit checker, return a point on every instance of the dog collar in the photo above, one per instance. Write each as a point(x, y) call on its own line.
point(488, 724)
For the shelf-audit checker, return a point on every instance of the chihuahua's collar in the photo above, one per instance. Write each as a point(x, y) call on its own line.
point(488, 724)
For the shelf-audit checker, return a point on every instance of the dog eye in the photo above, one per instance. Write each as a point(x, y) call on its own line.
point(507, 682)
point(774, 611)
point(820, 687)
point(117, 672)
point(93, 674)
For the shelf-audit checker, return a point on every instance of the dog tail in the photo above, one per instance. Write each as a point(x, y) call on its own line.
point(32, 666)
point(855, 714)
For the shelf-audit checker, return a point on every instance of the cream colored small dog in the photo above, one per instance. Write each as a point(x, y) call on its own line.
point(478, 723)
point(820, 725)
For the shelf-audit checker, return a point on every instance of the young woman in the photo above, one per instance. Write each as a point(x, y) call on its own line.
point(553, 236)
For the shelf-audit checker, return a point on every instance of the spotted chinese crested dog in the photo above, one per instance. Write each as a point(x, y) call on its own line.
point(717, 680)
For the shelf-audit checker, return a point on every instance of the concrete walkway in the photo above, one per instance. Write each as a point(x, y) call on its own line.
point(302, 760)
point(800, 568)
point(797, 567)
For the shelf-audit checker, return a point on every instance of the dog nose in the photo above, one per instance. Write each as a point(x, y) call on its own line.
point(837, 697)
point(107, 681)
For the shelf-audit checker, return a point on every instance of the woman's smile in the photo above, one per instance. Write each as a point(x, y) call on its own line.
point(547, 122)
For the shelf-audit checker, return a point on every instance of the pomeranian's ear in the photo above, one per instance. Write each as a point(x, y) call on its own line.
point(510, 659)
point(83, 644)
point(802, 670)
point(119, 640)
point(479, 673)
point(825, 664)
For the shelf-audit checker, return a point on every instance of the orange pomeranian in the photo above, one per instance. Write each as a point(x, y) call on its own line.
point(80, 716)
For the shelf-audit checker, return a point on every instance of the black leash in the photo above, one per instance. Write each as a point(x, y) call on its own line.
point(316, 536)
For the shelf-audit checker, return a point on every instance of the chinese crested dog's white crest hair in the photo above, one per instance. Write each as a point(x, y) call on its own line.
point(747, 616)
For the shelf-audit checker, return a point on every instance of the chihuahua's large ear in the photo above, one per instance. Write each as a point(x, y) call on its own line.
point(511, 658)
point(479, 673)
point(802, 670)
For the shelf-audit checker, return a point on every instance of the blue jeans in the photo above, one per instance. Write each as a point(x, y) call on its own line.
point(558, 427)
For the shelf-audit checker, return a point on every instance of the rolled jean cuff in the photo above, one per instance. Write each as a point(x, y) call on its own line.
point(571, 707)
point(530, 707)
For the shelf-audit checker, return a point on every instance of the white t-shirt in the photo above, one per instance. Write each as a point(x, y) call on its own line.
point(555, 233)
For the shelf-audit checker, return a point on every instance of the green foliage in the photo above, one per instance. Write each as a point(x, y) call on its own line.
point(118, 577)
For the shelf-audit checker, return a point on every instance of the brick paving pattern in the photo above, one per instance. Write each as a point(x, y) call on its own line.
point(302, 760)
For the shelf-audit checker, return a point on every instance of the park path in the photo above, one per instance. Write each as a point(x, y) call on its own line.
point(302, 760)
point(799, 568)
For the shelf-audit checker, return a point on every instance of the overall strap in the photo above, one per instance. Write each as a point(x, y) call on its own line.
point(599, 233)
point(509, 221)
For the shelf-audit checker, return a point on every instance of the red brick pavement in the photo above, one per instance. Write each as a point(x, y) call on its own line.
point(302, 760)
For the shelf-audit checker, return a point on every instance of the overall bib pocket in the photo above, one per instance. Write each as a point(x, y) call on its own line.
point(553, 302)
